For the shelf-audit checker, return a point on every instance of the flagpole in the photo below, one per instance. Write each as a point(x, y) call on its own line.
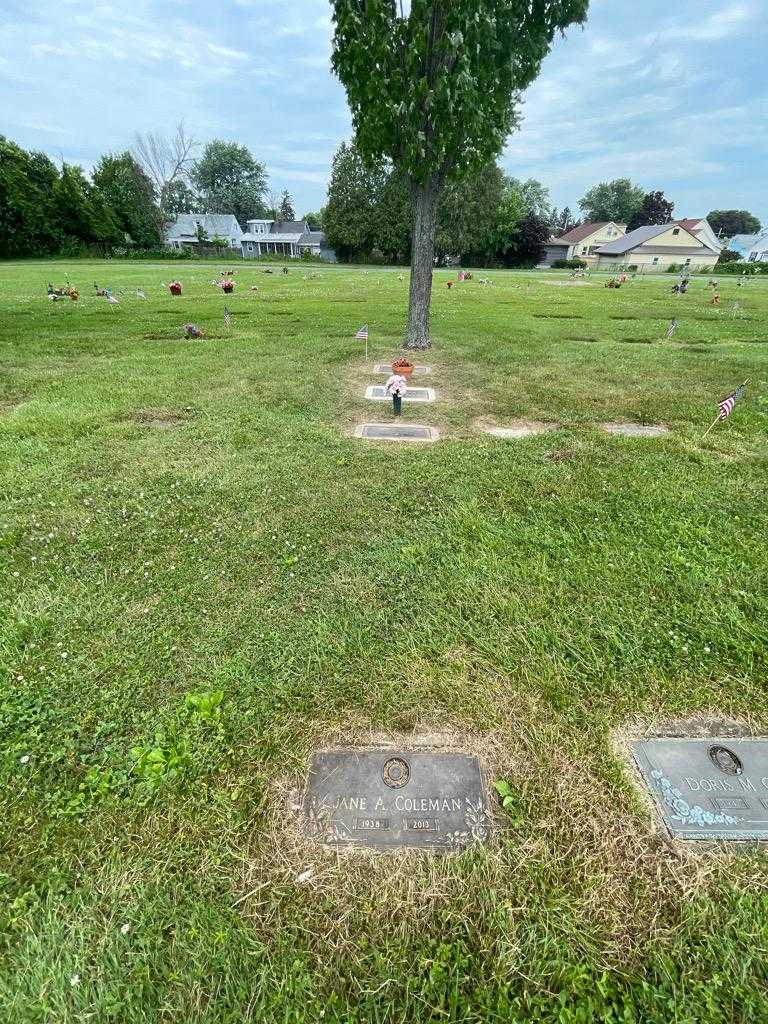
point(710, 427)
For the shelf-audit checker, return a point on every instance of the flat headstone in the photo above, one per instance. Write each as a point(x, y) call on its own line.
point(397, 432)
point(635, 429)
point(418, 371)
point(712, 788)
point(521, 428)
point(394, 798)
point(377, 392)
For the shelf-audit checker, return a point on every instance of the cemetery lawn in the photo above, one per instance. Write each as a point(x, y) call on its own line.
point(204, 576)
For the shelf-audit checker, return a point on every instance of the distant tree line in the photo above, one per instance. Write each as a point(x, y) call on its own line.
point(488, 217)
point(129, 197)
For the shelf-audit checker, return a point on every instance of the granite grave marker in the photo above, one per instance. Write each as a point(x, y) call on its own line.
point(388, 799)
point(378, 393)
point(397, 432)
point(708, 788)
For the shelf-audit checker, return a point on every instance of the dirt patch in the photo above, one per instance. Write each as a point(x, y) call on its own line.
point(514, 429)
point(637, 341)
point(635, 429)
point(162, 419)
point(557, 316)
point(624, 318)
point(579, 337)
point(560, 455)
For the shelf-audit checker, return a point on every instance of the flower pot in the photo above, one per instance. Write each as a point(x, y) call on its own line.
point(404, 371)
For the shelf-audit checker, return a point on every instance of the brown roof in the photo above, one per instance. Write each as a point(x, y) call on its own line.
point(582, 231)
point(689, 223)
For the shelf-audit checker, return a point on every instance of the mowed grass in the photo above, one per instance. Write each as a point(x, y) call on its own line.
point(204, 575)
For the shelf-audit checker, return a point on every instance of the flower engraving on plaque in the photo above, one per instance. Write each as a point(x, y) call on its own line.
point(688, 814)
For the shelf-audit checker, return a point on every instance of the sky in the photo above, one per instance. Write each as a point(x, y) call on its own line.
point(673, 96)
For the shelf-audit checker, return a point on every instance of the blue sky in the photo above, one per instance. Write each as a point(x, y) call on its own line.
point(674, 96)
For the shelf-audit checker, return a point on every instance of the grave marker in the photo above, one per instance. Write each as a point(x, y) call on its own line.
point(635, 429)
point(389, 799)
point(521, 428)
point(397, 432)
point(708, 788)
point(378, 393)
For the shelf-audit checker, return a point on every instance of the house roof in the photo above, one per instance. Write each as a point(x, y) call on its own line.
point(581, 232)
point(639, 236)
point(290, 227)
point(743, 241)
point(317, 236)
point(272, 236)
point(223, 225)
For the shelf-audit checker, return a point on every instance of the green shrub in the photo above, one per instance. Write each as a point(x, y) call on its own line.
point(575, 264)
point(753, 267)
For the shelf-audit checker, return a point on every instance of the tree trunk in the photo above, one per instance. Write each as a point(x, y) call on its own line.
point(425, 198)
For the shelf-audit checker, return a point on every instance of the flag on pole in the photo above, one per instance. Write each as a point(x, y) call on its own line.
point(672, 327)
point(362, 334)
point(725, 407)
point(227, 318)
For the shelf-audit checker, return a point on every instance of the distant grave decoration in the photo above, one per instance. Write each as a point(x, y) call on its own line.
point(175, 287)
point(192, 331)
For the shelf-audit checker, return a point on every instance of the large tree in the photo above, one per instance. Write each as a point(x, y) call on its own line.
point(349, 217)
point(434, 89)
point(167, 162)
point(727, 223)
point(130, 195)
point(654, 209)
point(286, 210)
point(468, 215)
point(617, 200)
point(229, 179)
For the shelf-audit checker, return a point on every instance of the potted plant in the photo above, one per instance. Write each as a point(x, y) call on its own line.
point(403, 367)
point(175, 287)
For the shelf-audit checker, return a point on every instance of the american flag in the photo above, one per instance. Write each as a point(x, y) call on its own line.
point(362, 334)
point(725, 407)
point(227, 317)
point(672, 328)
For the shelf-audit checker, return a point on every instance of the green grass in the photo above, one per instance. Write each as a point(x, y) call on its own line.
point(187, 517)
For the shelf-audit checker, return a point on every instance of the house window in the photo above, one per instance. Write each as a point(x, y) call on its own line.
point(655, 259)
point(675, 231)
point(583, 250)
point(764, 256)
point(250, 247)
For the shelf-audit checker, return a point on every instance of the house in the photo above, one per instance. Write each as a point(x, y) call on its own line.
point(758, 250)
point(288, 238)
point(701, 227)
point(581, 242)
point(655, 247)
point(742, 244)
point(185, 231)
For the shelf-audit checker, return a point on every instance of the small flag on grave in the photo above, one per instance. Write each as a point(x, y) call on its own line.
point(362, 334)
point(227, 318)
point(725, 407)
point(672, 327)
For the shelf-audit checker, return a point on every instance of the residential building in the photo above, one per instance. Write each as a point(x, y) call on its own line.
point(742, 244)
point(581, 242)
point(288, 238)
point(187, 229)
point(758, 250)
point(702, 229)
point(655, 247)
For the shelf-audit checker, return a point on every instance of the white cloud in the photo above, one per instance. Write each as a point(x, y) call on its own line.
point(723, 23)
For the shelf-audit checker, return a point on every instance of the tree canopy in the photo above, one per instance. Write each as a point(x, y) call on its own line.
point(286, 210)
point(617, 200)
point(129, 193)
point(229, 179)
point(654, 209)
point(728, 223)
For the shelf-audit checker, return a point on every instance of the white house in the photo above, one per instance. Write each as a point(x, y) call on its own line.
point(288, 238)
point(702, 229)
point(758, 250)
point(185, 231)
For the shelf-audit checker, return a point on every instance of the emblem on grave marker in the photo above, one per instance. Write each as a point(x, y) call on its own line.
point(396, 772)
point(725, 760)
